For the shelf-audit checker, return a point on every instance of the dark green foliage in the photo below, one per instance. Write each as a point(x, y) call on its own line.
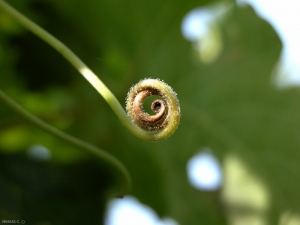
point(229, 106)
point(40, 192)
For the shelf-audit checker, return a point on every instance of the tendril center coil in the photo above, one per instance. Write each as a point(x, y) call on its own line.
point(167, 111)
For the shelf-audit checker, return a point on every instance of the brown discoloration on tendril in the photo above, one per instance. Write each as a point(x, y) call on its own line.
point(165, 110)
point(143, 119)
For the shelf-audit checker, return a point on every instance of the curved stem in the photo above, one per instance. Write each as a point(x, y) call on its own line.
point(115, 163)
point(73, 59)
point(149, 135)
point(89, 75)
point(85, 71)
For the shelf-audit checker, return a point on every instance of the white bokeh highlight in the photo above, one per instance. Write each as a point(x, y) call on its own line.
point(129, 211)
point(38, 153)
point(204, 171)
point(201, 26)
point(196, 24)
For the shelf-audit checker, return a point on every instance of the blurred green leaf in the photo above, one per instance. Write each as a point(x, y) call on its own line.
point(229, 106)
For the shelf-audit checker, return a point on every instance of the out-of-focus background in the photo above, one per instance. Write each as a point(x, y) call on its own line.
point(235, 158)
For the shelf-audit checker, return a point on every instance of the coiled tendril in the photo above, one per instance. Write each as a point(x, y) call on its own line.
point(148, 127)
point(167, 111)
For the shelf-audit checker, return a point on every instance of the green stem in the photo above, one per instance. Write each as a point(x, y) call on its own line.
point(116, 164)
point(87, 73)
point(76, 62)
point(149, 135)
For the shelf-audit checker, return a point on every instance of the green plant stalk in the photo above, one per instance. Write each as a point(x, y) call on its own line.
point(174, 108)
point(115, 163)
point(72, 58)
point(89, 75)
point(75, 61)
